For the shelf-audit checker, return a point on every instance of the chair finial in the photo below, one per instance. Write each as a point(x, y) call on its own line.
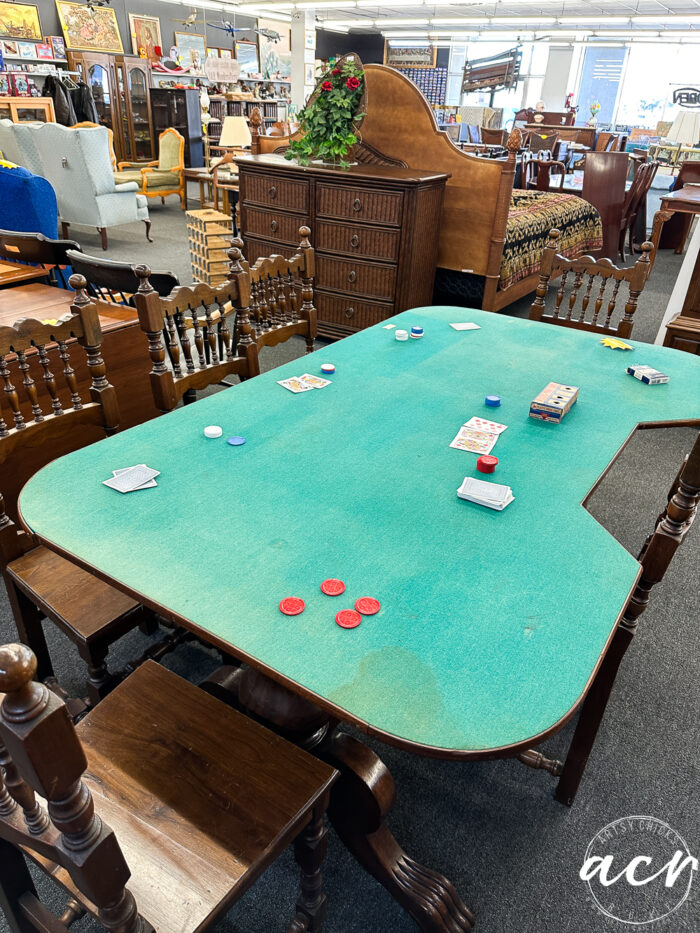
point(17, 667)
point(554, 235)
point(79, 285)
point(235, 256)
point(305, 233)
point(515, 140)
point(142, 273)
point(647, 249)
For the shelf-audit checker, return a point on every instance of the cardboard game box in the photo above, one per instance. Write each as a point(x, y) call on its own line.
point(553, 402)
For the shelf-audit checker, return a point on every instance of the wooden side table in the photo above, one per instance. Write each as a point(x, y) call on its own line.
point(683, 331)
point(685, 200)
point(202, 177)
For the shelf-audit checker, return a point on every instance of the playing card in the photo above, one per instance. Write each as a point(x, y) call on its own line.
point(132, 478)
point(481, 492)
point(148, 485)
point(294, 384)
point(389, 326)
point(483, 424)
point(479, 442)
point(466, 326)
point(314, 381)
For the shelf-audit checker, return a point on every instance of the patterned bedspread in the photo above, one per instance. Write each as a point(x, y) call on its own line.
point(532, 215)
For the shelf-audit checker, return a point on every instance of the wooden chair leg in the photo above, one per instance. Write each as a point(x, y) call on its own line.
point(148, 231)
point(64, 230)
point(310, 851)
point(100, 681)
point(103, 236)
point(15, 882)
point(162, 199)
point(30, 630)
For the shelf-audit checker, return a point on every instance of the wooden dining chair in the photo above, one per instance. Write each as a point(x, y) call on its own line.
point(49, 419)
point(36, 249)
point(161, 808)
point(598, 304)
point(635, 202)
point(539, 174)
point(116, 281)
point(494, 137)
point(543, 142)
point(656, 555)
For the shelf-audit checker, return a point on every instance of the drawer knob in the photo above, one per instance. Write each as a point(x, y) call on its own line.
point(272, 191)
point(273, 226)
point(352, 276)
point(357, 204)
point(354, 240)
point(349, 312)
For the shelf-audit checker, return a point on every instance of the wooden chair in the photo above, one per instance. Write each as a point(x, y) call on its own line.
point(40, 584)
point(39, 250)
point(165, 175)
point(117, 281)
point(538, 174)
point(635, 202)
point(494, 137)
point(586, 267)
point(162, 807)
point(543, 142)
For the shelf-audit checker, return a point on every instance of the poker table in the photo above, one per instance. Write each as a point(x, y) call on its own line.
point(492, 624)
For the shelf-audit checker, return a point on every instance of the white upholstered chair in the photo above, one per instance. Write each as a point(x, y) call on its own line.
point(18, 146)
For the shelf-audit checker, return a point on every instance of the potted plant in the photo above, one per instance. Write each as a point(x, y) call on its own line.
point(331, 119)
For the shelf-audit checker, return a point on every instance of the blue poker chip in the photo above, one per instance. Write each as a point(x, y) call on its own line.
point(236, 441)
point(416, 332)
point(493, 401)
point(327, 368)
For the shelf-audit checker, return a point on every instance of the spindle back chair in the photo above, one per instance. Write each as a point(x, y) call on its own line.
point(187, 833)
point(635, 201)
point(37, 249)
point(597, 305)
point(51, 420)
point(116, 281)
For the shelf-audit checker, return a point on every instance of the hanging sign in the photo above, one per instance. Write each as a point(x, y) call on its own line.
point(222, 70)
point(687, 97)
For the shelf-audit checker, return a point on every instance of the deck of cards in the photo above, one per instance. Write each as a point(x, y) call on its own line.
point(129, 479)
point(478, 435)
point(304, 383)
point(492, 495)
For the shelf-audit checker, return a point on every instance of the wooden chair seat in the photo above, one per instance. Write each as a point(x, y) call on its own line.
point(200, 798)
point(83, 606)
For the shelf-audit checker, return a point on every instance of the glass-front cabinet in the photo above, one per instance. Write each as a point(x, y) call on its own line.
point(27, 109)
point(139, 98)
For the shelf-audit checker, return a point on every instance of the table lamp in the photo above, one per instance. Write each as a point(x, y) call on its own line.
point(685, 129)
point(235, 133)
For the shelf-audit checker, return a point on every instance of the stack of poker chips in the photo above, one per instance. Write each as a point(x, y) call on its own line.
point(416, 332)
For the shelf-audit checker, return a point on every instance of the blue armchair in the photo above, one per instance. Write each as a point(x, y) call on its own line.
point(28, 203)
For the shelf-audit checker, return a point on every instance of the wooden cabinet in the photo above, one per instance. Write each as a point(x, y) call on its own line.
point(180, 108)
point(27, 109)
point(374, 228)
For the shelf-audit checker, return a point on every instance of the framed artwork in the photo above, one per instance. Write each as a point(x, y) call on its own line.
point(193, 48)
point(43, 50)
point(58, 45)
point(225, 53)
point(145, 34)
point(5, 90)
point(20, 85)
point(247, 55)
point(410, 56)
point(10, 49)
point(27, 49)
point(19, 21)
point(93, 30)
point(309, 74)
point(275, 57)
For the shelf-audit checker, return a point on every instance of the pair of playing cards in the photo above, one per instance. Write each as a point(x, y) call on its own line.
point(304, 383)
point(492, 495)
point(478, 435)
point(130, 479)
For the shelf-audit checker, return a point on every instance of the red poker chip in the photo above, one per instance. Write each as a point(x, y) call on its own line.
point(368, 606)
point(332, 587)
point(348, 618)
point(292, 606)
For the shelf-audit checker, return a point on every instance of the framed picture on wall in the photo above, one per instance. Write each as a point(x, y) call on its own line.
point(93, 30)
point(410, 56)
point(225, 53)
point(145, 34)
point(275, 55)
point(247, 55)
point(58, 45)
point(19, 21)
point(193, 48)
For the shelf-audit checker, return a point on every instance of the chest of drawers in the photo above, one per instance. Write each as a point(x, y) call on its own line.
point(374, 229)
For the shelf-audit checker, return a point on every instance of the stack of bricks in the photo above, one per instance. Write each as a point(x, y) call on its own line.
point(209, 233)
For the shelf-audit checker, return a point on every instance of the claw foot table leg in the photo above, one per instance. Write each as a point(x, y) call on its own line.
point(360, 801)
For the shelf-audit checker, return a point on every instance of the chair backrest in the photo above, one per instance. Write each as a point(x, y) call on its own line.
point(27, 202)
point(494, 137)
point(116, 281)
point(171, 150)
point(200, 315)
point(45, 417)
point(638, 191)
point(539, 141)
point(597, 304)
point(9, 147)
point(689, 173)
point(110, 137)
point(19, 147)
point(539, 173)
point(604, 179)
point(42, 755)
point(36, 248)
point(262, 144)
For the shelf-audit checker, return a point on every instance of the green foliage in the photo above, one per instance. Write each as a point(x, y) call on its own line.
point(327, 121)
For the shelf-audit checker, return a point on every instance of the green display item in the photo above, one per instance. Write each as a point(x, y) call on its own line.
point(491, 623)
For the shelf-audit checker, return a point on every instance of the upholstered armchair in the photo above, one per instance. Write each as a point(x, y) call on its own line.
point(28, 203)
point(163, 177)
point(78, 166)
point(110, 137)
point(18, 146)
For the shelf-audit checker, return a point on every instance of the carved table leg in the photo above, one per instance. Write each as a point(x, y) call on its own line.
point(360, 801)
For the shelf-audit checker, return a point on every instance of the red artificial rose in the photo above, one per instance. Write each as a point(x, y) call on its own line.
point(353, 83)
point(326, 86)
point(335, 72)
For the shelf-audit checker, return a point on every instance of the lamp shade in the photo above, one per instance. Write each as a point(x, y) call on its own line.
point(235, 132)
point(685, 129)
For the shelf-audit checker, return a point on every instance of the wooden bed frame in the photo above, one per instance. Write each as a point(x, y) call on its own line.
point(399, 128)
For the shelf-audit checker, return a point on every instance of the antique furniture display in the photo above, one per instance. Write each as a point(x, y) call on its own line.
point(596, 284)
point(635, 205)
point(586, 135)
point(181, 110)
point(218, 815)
point(368, 679)
point(374, 228)
point(204, 179)
point(496, 72)
point(162, 177)
point(27, 109)
point(116, 281)
point(13, 272)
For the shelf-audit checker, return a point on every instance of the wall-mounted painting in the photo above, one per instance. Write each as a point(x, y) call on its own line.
point(94, 30)
point(193, 48)
point(275, 55)
point(225, 53)
point(19, 21)
point(145, 34)
point(247, 55)
point(410, 56)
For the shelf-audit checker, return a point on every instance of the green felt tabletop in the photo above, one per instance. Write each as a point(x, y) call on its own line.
point(491, 624)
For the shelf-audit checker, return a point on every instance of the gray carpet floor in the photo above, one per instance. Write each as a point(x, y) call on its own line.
point(493, 828)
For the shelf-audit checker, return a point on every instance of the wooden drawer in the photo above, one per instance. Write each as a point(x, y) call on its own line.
point(285, 194)
point(357, 278)
point(255, 248)
point(359, 204)
point(356, 240)
point(273, 225)
point(348, 312)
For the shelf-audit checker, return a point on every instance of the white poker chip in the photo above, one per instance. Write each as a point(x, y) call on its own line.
point(401, 335)
point(213, 430)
